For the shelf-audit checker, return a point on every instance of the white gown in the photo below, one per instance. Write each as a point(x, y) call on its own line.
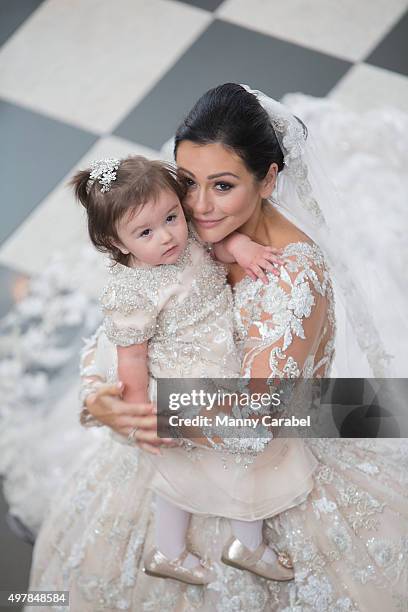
point(348, 539)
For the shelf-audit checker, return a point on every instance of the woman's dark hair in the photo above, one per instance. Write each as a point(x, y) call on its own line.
point(138, 180)
point(233, 117)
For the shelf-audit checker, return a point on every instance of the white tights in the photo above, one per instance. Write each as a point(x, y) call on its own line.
point(172, 524)
point(250, 534)
point(170, 531)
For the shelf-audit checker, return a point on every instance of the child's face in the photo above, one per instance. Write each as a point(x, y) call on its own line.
point(156, 233)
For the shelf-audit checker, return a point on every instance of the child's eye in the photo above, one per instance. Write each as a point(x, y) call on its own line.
point(171, 218)
point(145, 232)
point(223, 186)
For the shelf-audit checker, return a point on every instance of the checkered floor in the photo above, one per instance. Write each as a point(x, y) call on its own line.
point(81, 79)
point(84, 78)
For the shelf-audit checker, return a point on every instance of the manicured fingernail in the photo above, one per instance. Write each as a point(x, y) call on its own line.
point(119, 384)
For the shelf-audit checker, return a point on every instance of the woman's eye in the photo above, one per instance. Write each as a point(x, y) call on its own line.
point(188, 181)
point(223, 186)
point(171, 218)
point(145, 232)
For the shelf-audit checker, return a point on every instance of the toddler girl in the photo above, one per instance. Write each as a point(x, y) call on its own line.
point(168, 314)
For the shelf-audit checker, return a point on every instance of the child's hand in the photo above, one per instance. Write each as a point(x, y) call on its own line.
point(255, 259)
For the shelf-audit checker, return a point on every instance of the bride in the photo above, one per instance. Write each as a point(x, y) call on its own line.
point(347, 539)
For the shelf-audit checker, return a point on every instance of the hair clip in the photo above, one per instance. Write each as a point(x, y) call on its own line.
point(104, 171)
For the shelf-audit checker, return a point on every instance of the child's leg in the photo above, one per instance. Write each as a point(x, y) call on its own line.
point(170, 531)
point(250, 534)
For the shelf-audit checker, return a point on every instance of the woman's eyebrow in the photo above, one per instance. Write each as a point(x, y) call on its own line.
point(211, 176)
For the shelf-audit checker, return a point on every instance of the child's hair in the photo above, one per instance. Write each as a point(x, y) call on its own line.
point(138, 180)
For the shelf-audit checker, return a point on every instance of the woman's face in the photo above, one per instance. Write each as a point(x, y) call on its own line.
point(222, 194)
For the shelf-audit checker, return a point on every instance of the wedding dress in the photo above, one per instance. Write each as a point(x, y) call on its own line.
point(347, 539)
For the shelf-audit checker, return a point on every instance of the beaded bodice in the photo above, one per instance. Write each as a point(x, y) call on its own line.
point(184, 310)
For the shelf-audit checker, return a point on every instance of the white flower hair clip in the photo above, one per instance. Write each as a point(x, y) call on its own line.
point(104, 171)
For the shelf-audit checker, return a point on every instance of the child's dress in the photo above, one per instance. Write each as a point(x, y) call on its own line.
point(185, 312)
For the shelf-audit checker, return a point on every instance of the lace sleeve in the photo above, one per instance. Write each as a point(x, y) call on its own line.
point(91, 378)
point(286, 321)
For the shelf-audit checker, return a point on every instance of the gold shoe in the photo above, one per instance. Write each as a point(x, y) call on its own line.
point(157, 564)
point(239, 556)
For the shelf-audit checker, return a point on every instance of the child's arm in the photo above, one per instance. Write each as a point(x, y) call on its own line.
point(133, 372)
point(254, 258)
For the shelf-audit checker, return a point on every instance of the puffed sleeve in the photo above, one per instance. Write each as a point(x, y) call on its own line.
point(130, 315)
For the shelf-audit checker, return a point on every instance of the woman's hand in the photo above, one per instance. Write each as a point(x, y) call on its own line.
point(107, 406)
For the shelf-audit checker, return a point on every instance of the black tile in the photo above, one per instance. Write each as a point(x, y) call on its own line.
point(225, 53)
point(36, 152)
point(208, 5)
point(392, 51)
point(13, 13)
point(15, 556)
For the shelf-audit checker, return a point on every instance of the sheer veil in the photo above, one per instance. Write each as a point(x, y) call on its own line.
point(306, 195)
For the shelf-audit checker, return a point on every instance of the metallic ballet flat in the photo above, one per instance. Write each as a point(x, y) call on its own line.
point(239, 556)
point(157, 564)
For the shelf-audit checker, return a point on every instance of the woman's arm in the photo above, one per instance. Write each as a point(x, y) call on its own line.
point(284, 335)
point(90, 380)
point(103, 405)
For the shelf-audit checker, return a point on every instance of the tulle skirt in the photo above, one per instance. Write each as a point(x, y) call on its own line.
point(201, 482)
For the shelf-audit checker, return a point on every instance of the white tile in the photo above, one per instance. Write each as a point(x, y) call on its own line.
point(348, 29)
point(89, 62)
point(58, 223)
point(365, 87)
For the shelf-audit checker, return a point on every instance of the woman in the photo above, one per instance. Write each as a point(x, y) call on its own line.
point(346, 539)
